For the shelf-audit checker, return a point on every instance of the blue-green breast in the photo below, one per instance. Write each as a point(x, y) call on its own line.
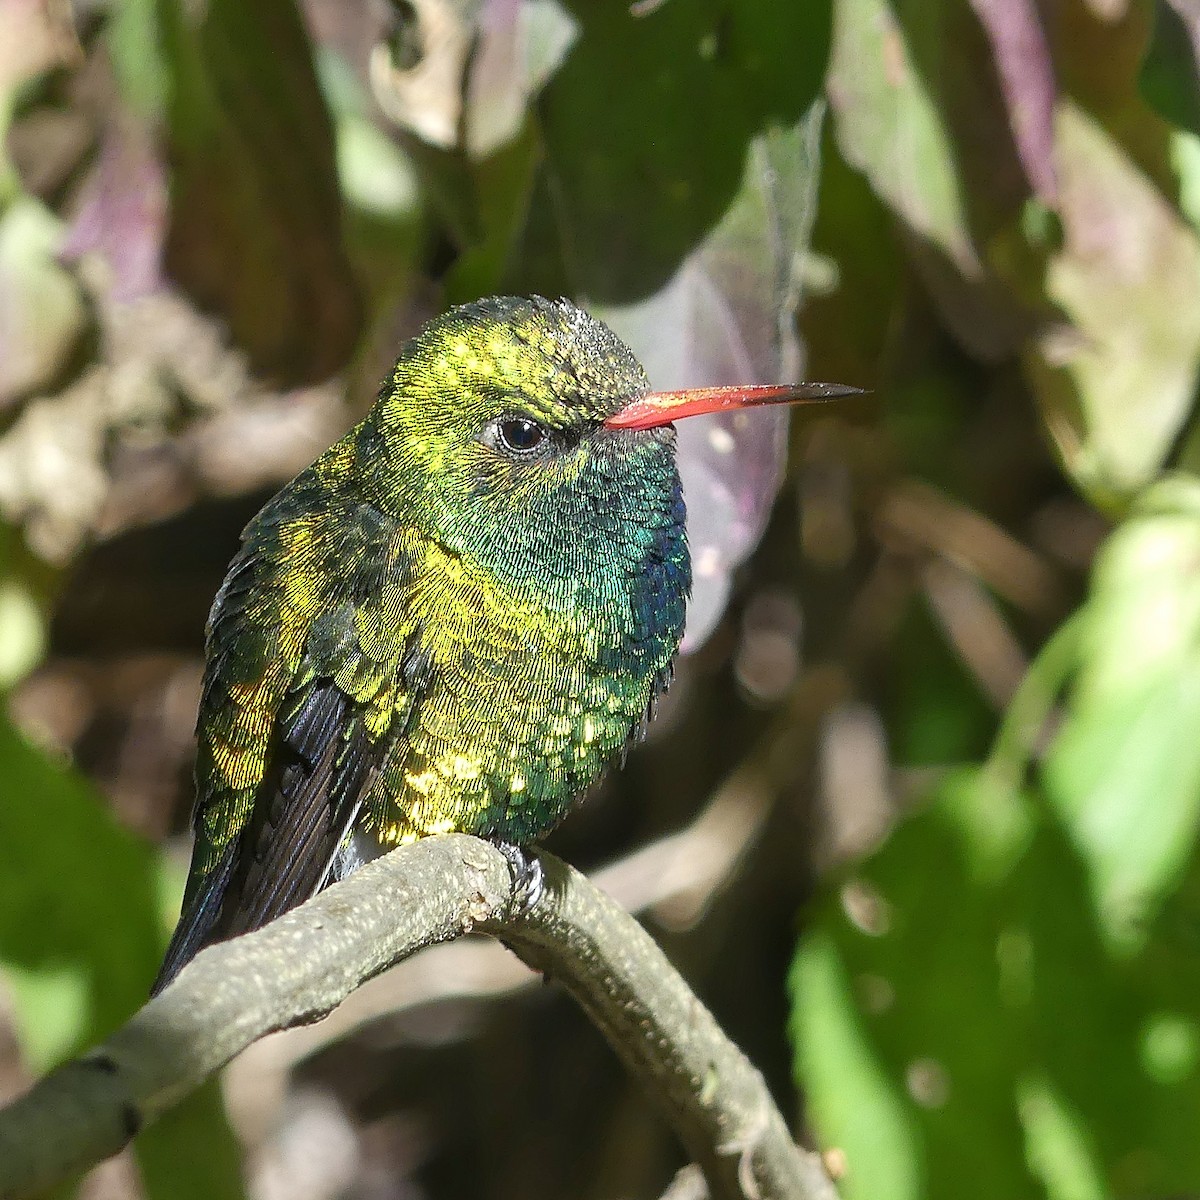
point(546, 643)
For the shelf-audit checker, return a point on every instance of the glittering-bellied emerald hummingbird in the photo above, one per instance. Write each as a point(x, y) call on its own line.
point(454, 620)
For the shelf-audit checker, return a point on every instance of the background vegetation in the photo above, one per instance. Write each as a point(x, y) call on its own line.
point(935, 744)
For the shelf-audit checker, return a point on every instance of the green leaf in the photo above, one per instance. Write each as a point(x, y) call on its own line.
point(1124, 770)
point(937, 713)
point(502, 185)
point(1058, 1149)
point(190, 1153)
point(679, 94)
point(1168, 78)
point(42, 314)
point(76, 891)
point(891, 128)
point(853, 1101)
point(962, 1016)
point(902, 988)
point(80, 940)
point(858, 257)
point(139, 57)
point(917, 111)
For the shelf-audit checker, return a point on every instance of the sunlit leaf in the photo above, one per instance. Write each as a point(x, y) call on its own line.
point(22, 631)
point(910, 959)
point(854, 1103)
point(1117, 386)
point(42, 314)
point(1124, 770)
point(889, 127)
point(377, 177)
point(917, 112)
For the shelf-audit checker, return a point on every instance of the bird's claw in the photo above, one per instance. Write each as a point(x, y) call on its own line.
point(528, 880)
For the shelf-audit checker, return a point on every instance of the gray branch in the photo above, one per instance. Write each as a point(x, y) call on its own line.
point(303, 965)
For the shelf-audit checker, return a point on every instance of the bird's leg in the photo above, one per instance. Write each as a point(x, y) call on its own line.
point(526, 868)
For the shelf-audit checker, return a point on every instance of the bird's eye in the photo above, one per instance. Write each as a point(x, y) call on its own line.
point(519, 435)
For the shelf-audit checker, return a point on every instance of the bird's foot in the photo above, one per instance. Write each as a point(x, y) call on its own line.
point(527, 877)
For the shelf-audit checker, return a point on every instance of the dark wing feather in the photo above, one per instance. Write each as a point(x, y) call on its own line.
point(198, 920)
point(328, 765)
point(321, 770)
point(329, 734)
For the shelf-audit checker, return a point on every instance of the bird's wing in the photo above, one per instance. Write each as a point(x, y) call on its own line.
point(313, 672)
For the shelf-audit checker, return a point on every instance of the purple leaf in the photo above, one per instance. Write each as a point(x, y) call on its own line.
point(689, 335)
point(254, 231)
point(1027, 78)
point(520, 45)
point(727, 316)
point(123, 212)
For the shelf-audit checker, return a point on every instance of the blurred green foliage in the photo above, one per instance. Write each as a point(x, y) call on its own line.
point(986, 211)
point(77, 953)
point(999, 1000)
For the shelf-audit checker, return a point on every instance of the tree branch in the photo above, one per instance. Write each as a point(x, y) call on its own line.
point(303, 965)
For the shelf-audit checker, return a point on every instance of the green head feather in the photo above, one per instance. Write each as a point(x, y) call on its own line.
point(492, 429)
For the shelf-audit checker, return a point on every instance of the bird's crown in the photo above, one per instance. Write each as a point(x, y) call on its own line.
point(546, 359)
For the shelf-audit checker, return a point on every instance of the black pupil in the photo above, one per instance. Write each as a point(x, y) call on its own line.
point(520, 434)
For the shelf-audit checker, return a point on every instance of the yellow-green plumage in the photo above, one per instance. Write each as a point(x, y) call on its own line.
point(434, 628)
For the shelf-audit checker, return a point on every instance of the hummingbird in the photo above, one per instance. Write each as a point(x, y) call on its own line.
point(453, 621)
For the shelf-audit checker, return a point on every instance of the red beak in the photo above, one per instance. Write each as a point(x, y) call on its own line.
point(661, 408)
